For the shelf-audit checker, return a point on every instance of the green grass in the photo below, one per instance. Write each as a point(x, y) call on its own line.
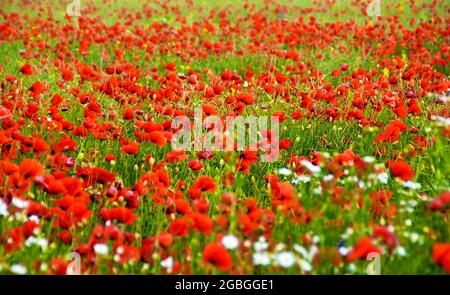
point(432, 166)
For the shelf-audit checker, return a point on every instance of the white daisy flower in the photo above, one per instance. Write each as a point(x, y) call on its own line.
point(343, 251)
point(260, 245)
point(230, 242)
point(101, 249)
point(328, 177)
point(168, 262)
point(3, 208)
point(412, 185)
point(315, 239)
point(300, 249)
point(301, 178)
point(311, 167)
point(414, 237)
point(18, 269)
point(285, 259)
point(284, 171)
point(305, 265)
point(261, 258)
point(401, 251)
point(41, 242)
point(369, 159)
point(279, 247)
point(34, 218)
point(383, 178)
point(19, 203)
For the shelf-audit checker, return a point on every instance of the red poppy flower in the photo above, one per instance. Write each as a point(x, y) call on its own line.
point(78, 211)
point(227, 75)
point(128, 114)
point(27, 70)
point(297, 114)
point(30, 227)
point(285, 144)
point(4, 113)
point(165, 239)
point(283, 191)
point(7, 167)
point(40, 145)
point(387, 237)
point(67, 74)
point(95, 175)
point(30, 168)
point(131, 148)
point(176, 156)
point(441, 255)
point(179, 227)
point(202, 223)
point(336, 72)
point(58, 266)
point(110, 157)
point(246, 158)
point(120, 214)
point(381, 205)
point(441, 203)
point(127, 253)
point(158, 138)
point(217, 256)
point(401, 169)
point(37, 89)
point(56, 187)
point(201, 205)
point(195, 165)
point(180, 206)
point(65, 236)
point(361, 249)
point(147, 249)
point(202, 184)
point(13, 239)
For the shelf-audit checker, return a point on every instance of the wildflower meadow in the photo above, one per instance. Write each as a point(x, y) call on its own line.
point(224, 137)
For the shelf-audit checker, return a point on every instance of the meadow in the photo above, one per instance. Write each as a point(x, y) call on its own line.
point(90, 182)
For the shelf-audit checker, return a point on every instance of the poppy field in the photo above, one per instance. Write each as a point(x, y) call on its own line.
point(357, 178)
